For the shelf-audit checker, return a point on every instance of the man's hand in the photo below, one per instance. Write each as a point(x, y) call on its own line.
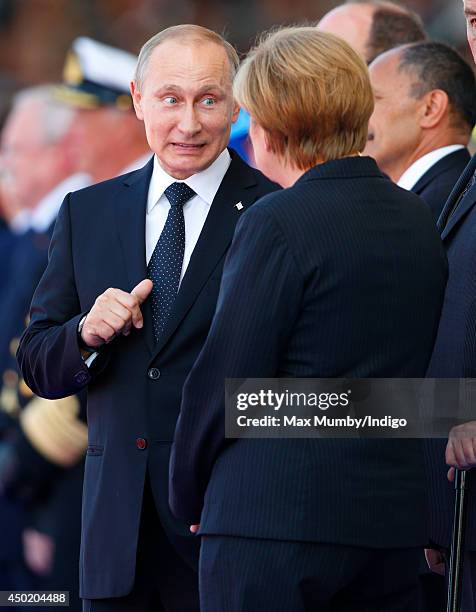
point(115, 312)
point(194, 528)
point(38, 550)
point(435, 560)
point(461, 448)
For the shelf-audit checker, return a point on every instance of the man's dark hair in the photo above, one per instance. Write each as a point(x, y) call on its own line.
point(392, 25)
point(438, 66)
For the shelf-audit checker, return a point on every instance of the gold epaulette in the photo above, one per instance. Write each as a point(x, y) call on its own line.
point(54, 430)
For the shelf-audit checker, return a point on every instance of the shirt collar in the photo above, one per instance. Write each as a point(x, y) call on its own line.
point(205, 183)
point(413, 174)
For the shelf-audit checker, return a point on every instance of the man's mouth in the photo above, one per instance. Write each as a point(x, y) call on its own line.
point(188, 146)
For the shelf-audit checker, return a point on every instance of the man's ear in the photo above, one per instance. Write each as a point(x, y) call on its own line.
point(436, 107)
point(137, 99)
point(236, 112)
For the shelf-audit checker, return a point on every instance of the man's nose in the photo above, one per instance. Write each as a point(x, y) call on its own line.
point(189, 123)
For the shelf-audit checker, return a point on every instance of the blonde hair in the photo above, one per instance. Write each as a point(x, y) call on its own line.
point(186, 32)
point(310, 91)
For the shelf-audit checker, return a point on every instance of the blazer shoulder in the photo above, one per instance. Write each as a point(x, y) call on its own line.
point(110, 186)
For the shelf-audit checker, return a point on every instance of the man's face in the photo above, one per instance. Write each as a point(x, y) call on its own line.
point(470, 14)
point(352, 23)
point(394, 128)
point(186, 103)
point(28, 164)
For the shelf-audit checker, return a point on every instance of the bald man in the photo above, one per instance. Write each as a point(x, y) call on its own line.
point(425, 96)
point(374, 26)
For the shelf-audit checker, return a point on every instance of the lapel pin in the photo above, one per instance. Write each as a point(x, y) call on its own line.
point(239, 206)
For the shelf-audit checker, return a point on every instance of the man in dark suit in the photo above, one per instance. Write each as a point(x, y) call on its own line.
point(42, 456)
point(454, 356)
point(125, 306)
point(341, 274)
point(425, 101)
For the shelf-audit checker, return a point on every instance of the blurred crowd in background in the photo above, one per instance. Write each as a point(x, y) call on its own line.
point(36, 35)
point(67, 121)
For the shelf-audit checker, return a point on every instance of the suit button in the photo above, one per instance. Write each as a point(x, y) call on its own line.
point(80, 378)
point(153, 373)
point(141, 443)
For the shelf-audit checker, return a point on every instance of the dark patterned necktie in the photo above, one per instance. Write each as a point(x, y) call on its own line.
point(165, 265)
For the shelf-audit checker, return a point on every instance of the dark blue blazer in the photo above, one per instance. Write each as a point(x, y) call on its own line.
point(135, 385)
point(342, 275)
point(454, 355)
point(437, 183)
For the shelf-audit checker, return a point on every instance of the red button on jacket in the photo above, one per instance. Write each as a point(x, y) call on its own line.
point(141, 443)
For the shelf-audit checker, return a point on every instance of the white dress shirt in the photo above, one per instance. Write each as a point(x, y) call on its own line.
point(195, 211)
point(413, 174)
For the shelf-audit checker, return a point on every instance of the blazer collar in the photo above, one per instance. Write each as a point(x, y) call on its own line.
point(129, 211)
point(346, 167)
point(454, 211)
point(461, 156)
point(216, 235)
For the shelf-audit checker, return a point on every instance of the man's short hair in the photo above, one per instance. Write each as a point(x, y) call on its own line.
point(310, 91)
point(188, 33)
point(392, 25)
point(54, 117)
point(437, 66)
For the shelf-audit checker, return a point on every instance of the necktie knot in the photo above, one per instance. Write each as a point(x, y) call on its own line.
point(179, 193)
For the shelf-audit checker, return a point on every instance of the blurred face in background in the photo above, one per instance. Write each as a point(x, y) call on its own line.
point(394, 127)
point(350, 22)
point(186, 103)
point(470, 14)
point(30, 165)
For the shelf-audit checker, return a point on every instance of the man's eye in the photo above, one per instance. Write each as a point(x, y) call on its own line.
point(170, 100)
point(208, 101)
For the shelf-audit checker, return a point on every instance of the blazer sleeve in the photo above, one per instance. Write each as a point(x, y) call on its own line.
point(48, 354)
point(257, 307)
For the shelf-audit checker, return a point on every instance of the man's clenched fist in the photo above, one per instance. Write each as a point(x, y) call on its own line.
point(115, 312)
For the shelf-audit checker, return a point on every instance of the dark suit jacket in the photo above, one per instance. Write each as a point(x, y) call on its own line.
point(134, 386)
point(454, 355)
point(437, 183)
point(342, 275)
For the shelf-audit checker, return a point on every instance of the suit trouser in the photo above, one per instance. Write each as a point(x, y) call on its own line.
point(250, 575)
point(163, 581)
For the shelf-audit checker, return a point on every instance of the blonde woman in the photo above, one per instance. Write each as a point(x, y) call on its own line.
point(339, 274)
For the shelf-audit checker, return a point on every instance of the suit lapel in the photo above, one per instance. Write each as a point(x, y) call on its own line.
point(448, 161)
point(129, 213)
point(451, 216)
point(214, 239)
